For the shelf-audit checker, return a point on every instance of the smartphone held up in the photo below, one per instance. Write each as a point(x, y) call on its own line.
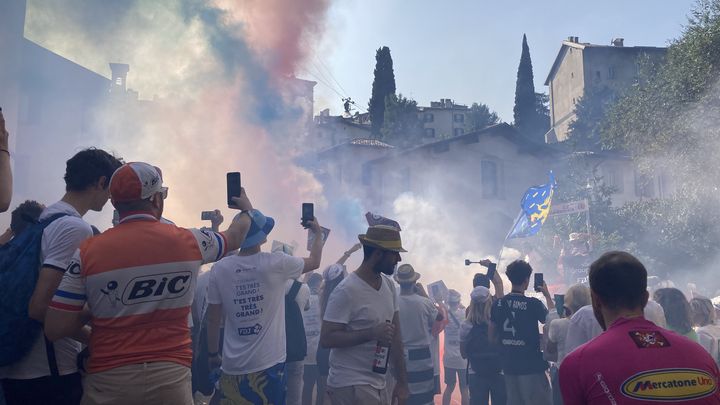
point(308, 214)
point(234, 188)
point(538, 282)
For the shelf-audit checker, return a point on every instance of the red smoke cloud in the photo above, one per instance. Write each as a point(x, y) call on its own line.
point(279, 30)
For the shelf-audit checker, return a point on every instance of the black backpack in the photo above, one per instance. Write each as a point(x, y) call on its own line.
point(295, 340)
point(482, 355)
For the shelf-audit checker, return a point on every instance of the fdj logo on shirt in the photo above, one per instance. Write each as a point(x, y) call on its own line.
point(156, 287)
point(674, 384)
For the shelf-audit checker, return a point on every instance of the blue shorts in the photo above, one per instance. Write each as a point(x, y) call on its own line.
point(265, 387)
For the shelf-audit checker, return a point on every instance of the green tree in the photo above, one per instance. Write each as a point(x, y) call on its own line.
point(584, 132)
point(542, 114)
point(670, 123)
point(480, 116)
point(530, 112)
point(383, 86)
point(402, 127)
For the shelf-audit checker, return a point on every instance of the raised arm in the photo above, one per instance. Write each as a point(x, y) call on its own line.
point(6, 182)
point(236, 232)
point(349, 253)
point(313, 262)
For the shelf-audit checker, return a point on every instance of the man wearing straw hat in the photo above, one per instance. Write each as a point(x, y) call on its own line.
point(362, 311)
point(417, 315)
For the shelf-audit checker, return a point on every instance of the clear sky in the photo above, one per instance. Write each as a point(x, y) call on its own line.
point(468, 50)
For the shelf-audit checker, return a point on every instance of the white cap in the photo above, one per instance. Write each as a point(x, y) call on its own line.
point(480, 294)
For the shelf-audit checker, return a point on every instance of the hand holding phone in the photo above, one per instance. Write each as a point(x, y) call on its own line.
point(492, 269)
point(234, 188)
point(538, 282)
point(560, 305)
point(308, 214)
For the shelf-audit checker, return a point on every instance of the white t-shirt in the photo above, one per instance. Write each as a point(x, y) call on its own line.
point(251, 290)
point(584, 327)
point(709, 338)
point(359, 306)
point(60, 240)
point(417, 315)
point(655, 313)
point(312, 322)
point(557, 332)
point(451, 357)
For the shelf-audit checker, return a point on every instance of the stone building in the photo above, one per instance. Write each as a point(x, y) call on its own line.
point(579, 67)
point(443, 119)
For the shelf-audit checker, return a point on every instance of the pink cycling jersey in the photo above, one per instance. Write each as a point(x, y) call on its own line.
point(637, 362)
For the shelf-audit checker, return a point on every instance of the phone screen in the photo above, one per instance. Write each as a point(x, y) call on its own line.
point(538, 282)
point(560, 304)
point(233, 186)
point(308, 213)
point(492, 268)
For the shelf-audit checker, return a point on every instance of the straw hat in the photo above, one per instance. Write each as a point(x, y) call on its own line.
point(406, 274)
point(382, 237)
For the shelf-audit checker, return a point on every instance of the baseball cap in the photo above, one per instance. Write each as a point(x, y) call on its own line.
point(260, 228)
point(480, 294)
point(136, 181)
point(333, 271)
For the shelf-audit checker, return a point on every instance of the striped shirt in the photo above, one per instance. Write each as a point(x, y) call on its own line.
point(138, 279)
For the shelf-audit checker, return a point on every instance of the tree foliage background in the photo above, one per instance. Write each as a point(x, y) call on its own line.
point(383, 86)
point(669, 123)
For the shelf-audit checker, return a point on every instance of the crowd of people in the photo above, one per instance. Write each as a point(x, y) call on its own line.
point(148, 312)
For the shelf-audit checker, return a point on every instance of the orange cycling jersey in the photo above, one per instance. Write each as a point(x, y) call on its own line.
point(138, 279)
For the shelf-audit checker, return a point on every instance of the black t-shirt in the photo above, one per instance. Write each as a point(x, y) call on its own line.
point(516, 320)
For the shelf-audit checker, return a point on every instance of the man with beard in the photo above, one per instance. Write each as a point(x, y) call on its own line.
point(361, 313)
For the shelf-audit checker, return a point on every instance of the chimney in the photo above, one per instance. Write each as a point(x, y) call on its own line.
point(119, 76)
point(573, 39)
point(619, 42)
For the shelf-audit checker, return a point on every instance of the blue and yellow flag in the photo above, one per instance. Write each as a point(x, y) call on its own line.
point(535, 209)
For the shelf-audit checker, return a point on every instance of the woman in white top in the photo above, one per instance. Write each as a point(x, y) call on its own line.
point(576, 297)
point(708, 332)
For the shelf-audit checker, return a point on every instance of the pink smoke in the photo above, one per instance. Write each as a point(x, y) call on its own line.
point(279, 30)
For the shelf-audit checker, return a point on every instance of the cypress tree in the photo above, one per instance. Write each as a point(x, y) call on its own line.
point(383, 86)
point(525, 103)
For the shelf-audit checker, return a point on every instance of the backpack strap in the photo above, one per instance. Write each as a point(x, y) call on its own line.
point(294, 290)
point(52, 360)
point(49, 347)
point(47, 221)
point(454, 318)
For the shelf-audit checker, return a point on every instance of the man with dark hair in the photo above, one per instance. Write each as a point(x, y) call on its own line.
point(49, 374)
point(25, 215)
point(515, 320)
point(634, 360)
point(22, 216)
point(361, 312)
point(137, 281)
